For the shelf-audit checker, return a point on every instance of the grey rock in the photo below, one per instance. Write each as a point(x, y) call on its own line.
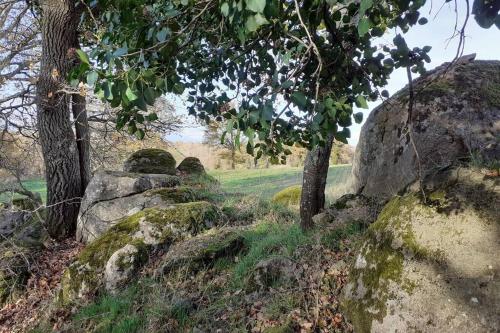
point(274, 270)
point(10, 220)
point(112, 195)
point(121, 267)
point(456, 115)
point(431, 267)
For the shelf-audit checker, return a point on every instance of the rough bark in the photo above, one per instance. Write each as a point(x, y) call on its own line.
point(82, 133)
point(59, 23)
point(313, 183)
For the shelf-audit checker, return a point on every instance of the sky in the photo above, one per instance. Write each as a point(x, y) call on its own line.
point(436, 33)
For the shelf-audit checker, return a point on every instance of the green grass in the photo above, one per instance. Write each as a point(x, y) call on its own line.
point(265, 241)
point(111, 314)
point(261, 182)
point(34, 185)
point(268, 182)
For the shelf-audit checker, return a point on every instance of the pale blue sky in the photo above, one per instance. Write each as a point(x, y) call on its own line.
point(436, 33)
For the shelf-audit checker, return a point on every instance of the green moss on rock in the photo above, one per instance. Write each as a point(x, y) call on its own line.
point(191, 165)
point(290, 196)
point(155, 161)
point(180, 194)
point(380, 263)
point(149, 227)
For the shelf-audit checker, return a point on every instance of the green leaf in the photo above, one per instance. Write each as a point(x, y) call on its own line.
point(130, 94)
point(121, 51)
point(358, 117)
point(423, 21)
point(363, 26)
point(287, 84)
point(361, 102)
point(299, 99)
point(139, 134)
point(92, 78)
point(254, 22)
point(149, 96)
point(223, 138)
point(256, 6)
point(364, 6)
point(224, 9)
point(249, 148)
point(83, 57)
point(162, 34)
point(152, 117)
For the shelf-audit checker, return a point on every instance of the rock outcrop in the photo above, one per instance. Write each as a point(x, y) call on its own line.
point(431, 267)
point(112, 259)
point(113, 195)
point(153, 161)
point(456, 115)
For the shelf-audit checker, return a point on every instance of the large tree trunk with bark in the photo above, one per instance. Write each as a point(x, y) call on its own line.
point(59, 24)
point(313, 183)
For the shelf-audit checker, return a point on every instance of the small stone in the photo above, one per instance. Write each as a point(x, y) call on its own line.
point(321, 218)
point(120, 267)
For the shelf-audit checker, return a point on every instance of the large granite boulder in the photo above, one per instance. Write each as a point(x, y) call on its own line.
point(113, 258)
point(151, 161)
point(112, 195)
point(431, 267)
point(456, 116)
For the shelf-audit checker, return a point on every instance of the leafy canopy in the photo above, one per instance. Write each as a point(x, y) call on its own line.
point(294, 69)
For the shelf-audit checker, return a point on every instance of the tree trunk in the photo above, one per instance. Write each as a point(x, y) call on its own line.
point(233, 158)
point(82, 139)
point(62, 169)
point(313, 183)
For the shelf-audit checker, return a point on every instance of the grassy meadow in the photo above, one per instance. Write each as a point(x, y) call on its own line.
point(262, 182)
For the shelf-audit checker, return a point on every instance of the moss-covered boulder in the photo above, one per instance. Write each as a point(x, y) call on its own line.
point(290, 196)
point(203, 250)
point(433, 266)
point(145, 230)
point(154, 161)
point(111, 196)
point(191, 165)
point(22, 235)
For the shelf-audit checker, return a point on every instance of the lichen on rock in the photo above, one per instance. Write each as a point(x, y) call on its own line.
point(152, 227)
point(422, 263)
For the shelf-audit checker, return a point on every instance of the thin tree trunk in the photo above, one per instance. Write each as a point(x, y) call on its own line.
point(62, 169)
point(233, 158)
point(82, 139)
point(314, 182)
